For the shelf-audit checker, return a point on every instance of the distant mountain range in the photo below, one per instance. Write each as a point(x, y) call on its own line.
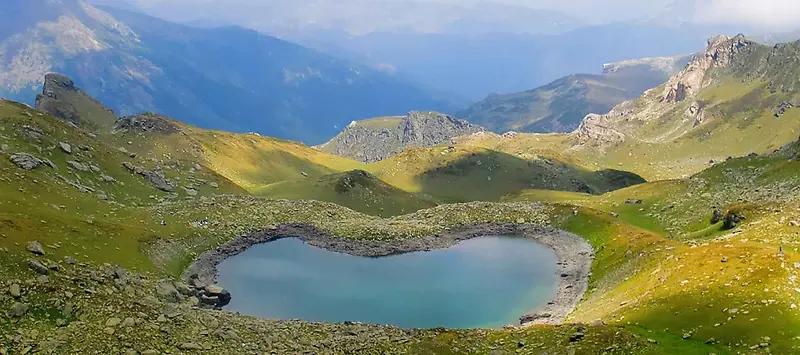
point(475, 65)
point(560, 106)
point(227, 78)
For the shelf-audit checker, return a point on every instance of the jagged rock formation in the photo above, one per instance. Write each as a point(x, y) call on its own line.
point(561, 105)
point(62, 99)
point(377, 139)
point(695, 76)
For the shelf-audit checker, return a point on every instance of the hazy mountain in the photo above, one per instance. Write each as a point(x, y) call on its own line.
point(476, 65)
point(561, 105)
point(228, 78)
point(360, 17)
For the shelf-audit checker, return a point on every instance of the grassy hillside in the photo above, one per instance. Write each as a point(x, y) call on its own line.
point(357, 189)
point(250, 160)
point(737, 99)
point(665, 280)
point(451, 174)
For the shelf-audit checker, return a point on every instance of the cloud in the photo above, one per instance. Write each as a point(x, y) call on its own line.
point(768, 14)
point(777, 14)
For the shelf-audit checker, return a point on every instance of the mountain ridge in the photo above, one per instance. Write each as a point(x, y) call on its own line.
point(561, 105)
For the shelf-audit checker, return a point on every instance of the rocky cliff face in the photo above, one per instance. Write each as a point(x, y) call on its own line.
point(720, 52)
point(377, 139)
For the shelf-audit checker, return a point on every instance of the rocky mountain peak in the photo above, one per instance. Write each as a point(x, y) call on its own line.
point(718, 54)
point(379, 138)
point(62, 99)
point(431, 128)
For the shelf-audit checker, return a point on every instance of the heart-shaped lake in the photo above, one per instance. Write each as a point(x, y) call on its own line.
point(485, 282)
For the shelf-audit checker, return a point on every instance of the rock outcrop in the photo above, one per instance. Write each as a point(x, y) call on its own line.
point(148, 122)
point(62, 99)
point(720, 52)
point(377, 139)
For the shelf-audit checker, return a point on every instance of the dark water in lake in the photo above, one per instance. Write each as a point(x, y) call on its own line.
point(480, 283)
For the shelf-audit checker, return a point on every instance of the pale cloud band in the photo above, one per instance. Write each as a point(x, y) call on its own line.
point(768, 14)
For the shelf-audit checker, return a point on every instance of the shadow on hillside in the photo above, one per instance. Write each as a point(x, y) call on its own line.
point(490, 175)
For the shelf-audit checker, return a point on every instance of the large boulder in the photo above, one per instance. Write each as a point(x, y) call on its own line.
point(26, 161)
point(35, 247)
point(213, 296)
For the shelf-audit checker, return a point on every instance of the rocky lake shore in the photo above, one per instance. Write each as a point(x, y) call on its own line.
point(574, 255)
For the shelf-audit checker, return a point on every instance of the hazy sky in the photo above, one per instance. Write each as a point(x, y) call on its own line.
point(772, 14)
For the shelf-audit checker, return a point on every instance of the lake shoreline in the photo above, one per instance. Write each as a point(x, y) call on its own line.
point(574, 255)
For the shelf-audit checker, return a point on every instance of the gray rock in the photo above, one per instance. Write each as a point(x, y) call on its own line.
point(26, 161)
point(190, 346)
point(65, 147)
point(716, 216)
point(157, 179)
point(184, 289)
point(171, 310)
point(107, 178)
point(214, 290)
point(167, 292)
point(4, 147)
point(15, 290)
point(18, 310)
point(77, 165)
point(417, 129)
point(120, 274)
point(35, 247)
point(38, 267)
point(113, 322)
point(132, 168)
point(213, 184)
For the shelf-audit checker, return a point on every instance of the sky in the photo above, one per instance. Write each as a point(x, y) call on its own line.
point(768, 14)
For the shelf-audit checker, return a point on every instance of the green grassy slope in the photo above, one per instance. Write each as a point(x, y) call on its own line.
point(357, 189)
point(451, 174)
point(649, 294)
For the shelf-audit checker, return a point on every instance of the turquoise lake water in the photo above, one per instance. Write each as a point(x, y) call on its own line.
point(480, 283)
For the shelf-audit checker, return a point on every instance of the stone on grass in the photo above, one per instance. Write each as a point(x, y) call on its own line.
point(65, 147)
point(35, 247)
point(18, 310)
